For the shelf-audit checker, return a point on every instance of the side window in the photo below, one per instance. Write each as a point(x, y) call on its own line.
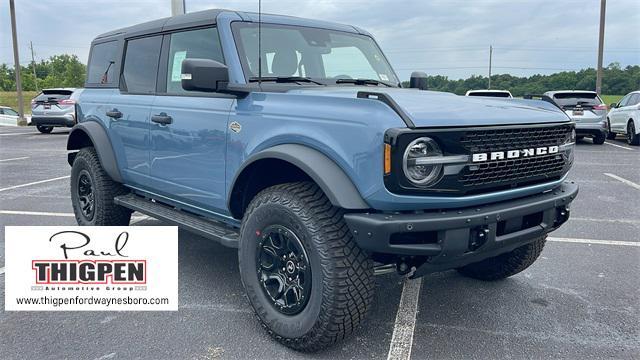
point(194, 44)
point(10, 112)
point(141, 65)
point(101, 69)
point(624, 101)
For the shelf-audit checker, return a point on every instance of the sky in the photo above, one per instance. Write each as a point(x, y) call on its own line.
point(439, 37)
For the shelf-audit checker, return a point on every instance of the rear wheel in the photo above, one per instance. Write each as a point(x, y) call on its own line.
point(307, 280)
point(632, 137)
point(599, 139)
point(92, 193)
point(505, 265)
point(44, 129)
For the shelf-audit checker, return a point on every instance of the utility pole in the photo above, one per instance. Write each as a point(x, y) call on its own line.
point(16, 60)
point(490, 56)
point(33, 65)
point(603, 7)
point(177, 7)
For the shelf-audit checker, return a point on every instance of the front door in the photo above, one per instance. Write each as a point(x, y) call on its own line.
point(188, 129)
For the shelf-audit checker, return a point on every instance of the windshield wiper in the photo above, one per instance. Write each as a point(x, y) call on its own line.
point(285, 79)
point(363, 82)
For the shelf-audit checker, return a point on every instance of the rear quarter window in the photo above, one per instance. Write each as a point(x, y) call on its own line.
point(102, 69)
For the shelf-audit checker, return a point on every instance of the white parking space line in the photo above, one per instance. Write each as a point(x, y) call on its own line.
point(619, 146)
point(612, 221)
point(402, 339)
point(594, 242)
point(628, 182)
point(138, 218)
point(1, 271)
point(14, 159)
point(22, 133)
point(34, 183)
point(36, 213)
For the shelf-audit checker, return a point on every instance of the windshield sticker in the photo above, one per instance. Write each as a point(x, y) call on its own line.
point(383, 77)
point(176, 70)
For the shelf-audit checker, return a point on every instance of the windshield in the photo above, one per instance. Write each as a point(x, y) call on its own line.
point(320, 54)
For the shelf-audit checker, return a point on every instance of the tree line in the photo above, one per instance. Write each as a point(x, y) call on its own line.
point(57, 71)
point(615, 81)
point(67, 71)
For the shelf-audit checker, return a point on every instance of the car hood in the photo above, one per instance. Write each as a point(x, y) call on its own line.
point(436, 109)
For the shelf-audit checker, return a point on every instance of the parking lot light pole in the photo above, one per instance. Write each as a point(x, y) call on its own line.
point(177, 7)
point(16, 60)
point(603, 7)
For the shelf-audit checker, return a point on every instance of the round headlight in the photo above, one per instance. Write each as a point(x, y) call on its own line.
point(416, 162)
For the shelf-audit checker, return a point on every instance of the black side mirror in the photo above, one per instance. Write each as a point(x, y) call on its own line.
point(613, 106)
point(418, 80)
point(204, 75)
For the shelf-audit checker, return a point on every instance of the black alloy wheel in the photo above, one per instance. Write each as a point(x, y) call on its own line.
point(86, 196)
point(284, 272)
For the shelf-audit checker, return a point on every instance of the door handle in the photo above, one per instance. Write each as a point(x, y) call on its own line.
point(162, 119)
point(114, 114)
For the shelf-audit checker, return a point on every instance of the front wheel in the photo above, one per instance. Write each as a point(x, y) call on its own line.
point(632, 137)
point(307, 280)
point(92, 193)
point(44, 129)
point(505, 265)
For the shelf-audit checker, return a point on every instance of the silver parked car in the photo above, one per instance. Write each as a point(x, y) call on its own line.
point(587, 109)
point(53, 107)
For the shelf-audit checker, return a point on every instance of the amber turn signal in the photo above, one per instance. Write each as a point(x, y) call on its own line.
point(387, 159)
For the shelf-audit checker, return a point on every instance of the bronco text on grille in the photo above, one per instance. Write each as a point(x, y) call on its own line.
point(515, 156)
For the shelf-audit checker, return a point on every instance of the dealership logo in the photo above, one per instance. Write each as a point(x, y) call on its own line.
point(515, 154)
point(115, 270)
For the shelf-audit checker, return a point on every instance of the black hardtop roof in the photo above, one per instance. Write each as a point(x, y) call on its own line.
point(199, 18)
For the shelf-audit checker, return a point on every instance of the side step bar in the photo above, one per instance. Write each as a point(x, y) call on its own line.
point(210, 229)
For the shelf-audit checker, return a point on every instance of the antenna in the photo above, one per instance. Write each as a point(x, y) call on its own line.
point(260, 43)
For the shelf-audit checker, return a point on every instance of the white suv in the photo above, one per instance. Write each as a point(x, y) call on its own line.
point(624, 118)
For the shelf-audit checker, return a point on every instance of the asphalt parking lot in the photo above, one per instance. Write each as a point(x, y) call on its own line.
point(581, 299)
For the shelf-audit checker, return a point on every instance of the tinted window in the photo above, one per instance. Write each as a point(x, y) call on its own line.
point(570, 100)
point(490, 94)
point(101, 69)
point(48, 95)
point(141, 65)
point(194, 44)
point(10, 112)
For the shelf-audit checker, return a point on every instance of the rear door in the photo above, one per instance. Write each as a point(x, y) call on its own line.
point(131, 108)
point(188, 129)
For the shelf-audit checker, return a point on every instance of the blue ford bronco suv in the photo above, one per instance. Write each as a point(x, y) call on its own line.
point(293, 141)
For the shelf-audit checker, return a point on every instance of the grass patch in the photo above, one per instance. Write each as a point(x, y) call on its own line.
point(610, 99)
point(10, 99)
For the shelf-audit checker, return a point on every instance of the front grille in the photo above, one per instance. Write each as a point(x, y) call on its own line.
point(514, 171)
point(514, 138)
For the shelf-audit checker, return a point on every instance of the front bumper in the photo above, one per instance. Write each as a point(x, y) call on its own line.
point(591, 129)
point(454, 238)
point(67, 120)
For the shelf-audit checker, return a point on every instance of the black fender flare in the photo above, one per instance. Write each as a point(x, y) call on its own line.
point(333, 181)
point(100, 141)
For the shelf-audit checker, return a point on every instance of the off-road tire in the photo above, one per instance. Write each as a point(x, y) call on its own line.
point(632, 137)
point(342, 273)
point(610, 134)
point(599, 139)
point(106, 212)
point(44, 129)
point(505, 265)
